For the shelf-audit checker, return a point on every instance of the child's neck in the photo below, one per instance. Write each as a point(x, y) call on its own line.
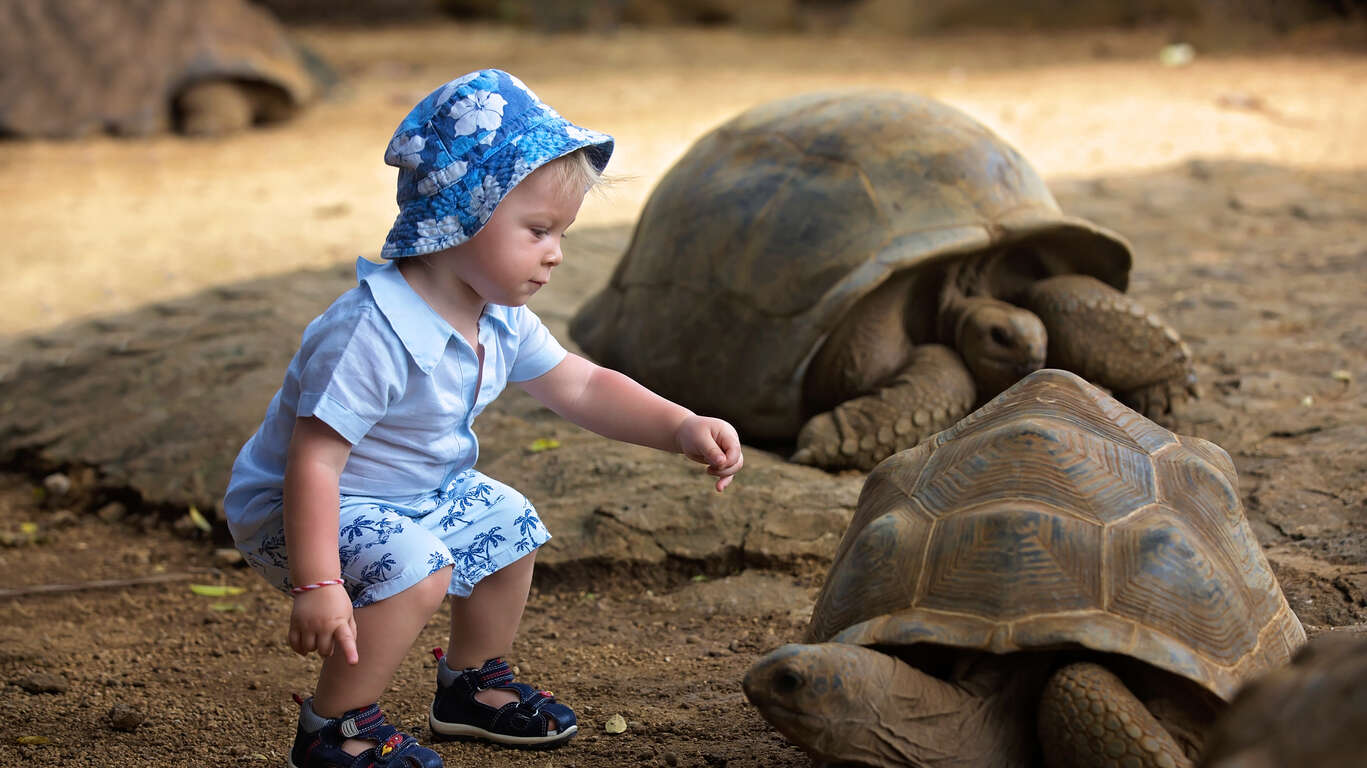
point(457, 303)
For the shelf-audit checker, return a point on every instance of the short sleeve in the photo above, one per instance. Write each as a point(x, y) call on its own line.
point(537, 350)
point(349, 372)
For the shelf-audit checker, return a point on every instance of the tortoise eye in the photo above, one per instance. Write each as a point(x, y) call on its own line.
point(787, 681)
point(1000, 337)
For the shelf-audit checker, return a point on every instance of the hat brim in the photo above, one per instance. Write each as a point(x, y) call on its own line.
point(457, 213)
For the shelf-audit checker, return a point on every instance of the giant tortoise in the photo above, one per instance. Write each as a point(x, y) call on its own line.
point(1054, 580)
point(872, 265)
point(135, 67)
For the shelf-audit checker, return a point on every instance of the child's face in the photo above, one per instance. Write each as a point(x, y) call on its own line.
point(512, 256)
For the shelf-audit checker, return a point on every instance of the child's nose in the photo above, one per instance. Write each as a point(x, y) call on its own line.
point(554, 256)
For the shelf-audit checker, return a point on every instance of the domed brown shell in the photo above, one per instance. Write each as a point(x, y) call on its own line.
point(1054, 517)
point(772, 226)
point(79, 66)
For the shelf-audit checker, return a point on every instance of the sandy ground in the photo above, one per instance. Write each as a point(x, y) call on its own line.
point(107, 225)
point(1259, 265)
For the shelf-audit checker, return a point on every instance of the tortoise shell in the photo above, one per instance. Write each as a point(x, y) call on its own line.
point(772, 226)
point(1052, 518)
point(80, 66)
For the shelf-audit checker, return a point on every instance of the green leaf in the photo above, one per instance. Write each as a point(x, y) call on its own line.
point(221, 606)
point(216, 590)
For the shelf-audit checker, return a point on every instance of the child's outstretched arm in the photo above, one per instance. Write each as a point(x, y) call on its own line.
point(615, 406)
point(321, 619)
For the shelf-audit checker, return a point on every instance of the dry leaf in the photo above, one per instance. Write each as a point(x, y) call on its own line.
point(33, 740)
point(198, 520)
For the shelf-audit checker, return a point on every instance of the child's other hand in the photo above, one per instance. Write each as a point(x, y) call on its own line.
point(712, 442)
point(322, 621)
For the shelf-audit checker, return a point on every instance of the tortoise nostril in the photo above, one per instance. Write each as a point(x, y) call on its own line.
point(787, 681)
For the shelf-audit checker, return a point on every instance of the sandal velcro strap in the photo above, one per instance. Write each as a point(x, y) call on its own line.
point(393, 749)
point(496, 673)
point(401, 751)
point(364, 723)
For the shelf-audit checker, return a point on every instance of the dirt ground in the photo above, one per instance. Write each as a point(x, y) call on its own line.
point(1241, 179)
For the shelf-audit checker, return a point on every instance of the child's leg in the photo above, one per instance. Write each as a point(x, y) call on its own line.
point(385, 631)
point(484, 624)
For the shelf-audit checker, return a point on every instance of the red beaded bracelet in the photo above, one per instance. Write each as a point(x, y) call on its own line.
point(315, 585)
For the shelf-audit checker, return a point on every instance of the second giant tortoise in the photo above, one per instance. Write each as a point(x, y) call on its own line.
point(872, 266)
point(1312, 712)
point(1054, 580)
point(135, 67)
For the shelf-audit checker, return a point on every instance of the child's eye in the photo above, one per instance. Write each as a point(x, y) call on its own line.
point(539, 232)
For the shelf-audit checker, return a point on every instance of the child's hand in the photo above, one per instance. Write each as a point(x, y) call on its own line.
point(322, 621)
point(712, 442)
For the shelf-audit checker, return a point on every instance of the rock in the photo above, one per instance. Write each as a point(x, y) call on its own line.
point(57, 484)
point(112, 512)
point(42, 682)
point(125, 718)
point(227, 557)
point(615, 724)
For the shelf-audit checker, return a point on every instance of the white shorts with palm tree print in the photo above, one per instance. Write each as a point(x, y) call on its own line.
point(474, 523)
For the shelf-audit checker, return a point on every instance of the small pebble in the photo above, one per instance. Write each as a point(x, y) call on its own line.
point(112, 512)
point(615, 724)
point(227, 556)
point(42, 682)
point(57, 484)
point(125, 718)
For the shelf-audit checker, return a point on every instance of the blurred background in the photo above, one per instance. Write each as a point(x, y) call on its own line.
point(99, 217)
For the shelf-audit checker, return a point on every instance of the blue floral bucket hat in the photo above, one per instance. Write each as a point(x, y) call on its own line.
point(461, 150)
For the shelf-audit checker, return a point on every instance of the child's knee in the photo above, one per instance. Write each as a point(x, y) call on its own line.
point(432, 589)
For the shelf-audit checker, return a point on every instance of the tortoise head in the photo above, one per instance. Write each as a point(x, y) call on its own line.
point(844, 703)
point(1000, 343)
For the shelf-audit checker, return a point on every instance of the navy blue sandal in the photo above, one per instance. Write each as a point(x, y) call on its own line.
point(535, 721)
point(318, 741)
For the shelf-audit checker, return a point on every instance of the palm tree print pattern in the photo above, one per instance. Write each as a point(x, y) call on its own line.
point(474, 525)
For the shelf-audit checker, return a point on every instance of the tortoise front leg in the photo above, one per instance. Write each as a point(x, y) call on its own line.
point(1088, 718)
point(930, 393)
point(213, 108)
point(1107, 338)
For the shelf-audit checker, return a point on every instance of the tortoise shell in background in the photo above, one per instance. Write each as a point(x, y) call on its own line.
point(70, 68)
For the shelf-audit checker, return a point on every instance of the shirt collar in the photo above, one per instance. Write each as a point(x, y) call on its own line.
point(423, 332)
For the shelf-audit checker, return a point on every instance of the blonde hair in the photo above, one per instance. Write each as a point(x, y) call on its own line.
point(577, 172)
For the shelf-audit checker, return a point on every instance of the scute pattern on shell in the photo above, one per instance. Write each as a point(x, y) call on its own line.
point(1056, 517)
point(772, 226)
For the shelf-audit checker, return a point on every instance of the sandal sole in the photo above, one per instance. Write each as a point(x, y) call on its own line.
point(464, 731)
